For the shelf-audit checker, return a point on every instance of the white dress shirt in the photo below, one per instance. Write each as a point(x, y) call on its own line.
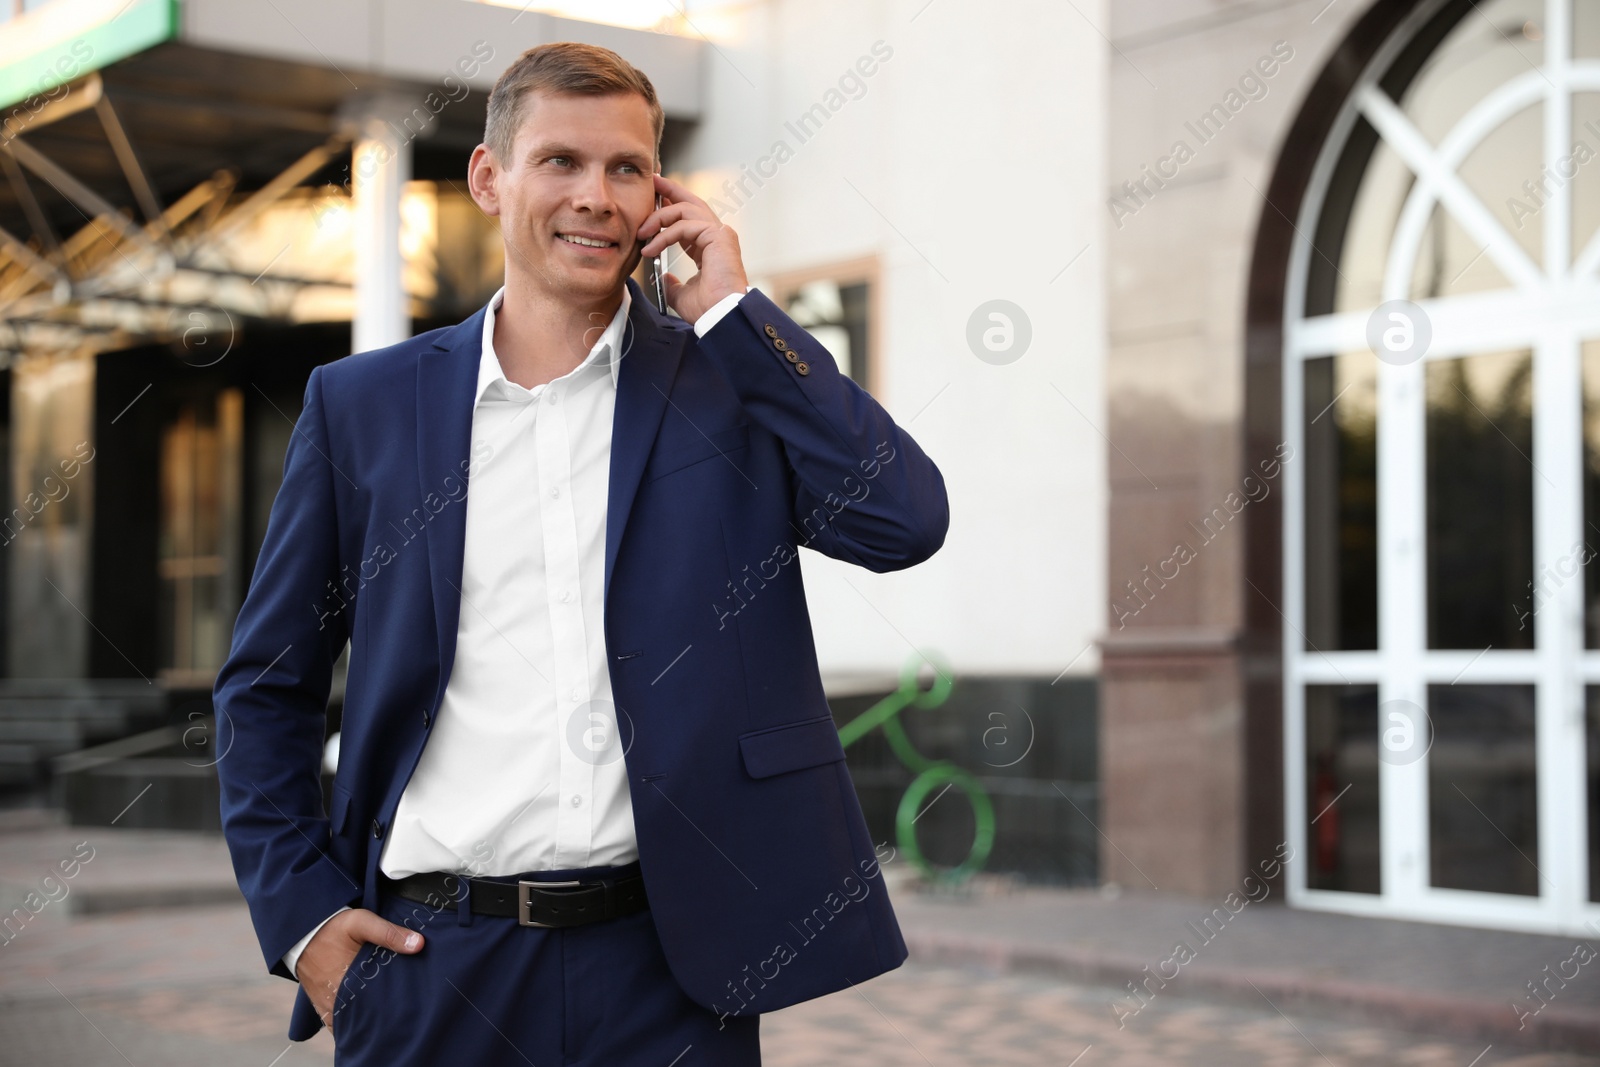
point(524, 768)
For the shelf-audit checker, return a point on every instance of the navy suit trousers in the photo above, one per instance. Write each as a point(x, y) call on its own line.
point(485, 991)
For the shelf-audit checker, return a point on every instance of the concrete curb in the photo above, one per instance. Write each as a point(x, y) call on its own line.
point(1457, 1017)
point(107, 900)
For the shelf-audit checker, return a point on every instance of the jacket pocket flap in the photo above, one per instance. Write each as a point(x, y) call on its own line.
point(791, 746)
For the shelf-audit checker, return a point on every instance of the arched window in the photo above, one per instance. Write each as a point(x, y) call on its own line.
point(1441, 393)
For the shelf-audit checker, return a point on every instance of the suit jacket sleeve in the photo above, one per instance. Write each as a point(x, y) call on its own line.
point(864, 491)
point(271, 699)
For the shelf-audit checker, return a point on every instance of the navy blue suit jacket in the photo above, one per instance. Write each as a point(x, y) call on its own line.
point(725, 459)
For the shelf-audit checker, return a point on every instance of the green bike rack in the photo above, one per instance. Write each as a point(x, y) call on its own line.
point(929, 773)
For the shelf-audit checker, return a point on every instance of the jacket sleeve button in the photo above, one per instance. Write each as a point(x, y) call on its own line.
point(802, 368)
point(772, 331)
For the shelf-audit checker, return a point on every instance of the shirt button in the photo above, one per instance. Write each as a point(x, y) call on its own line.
point(555, 492)
point(576, 800)
point(566, 595)
point(553, 398)
point(574, 694)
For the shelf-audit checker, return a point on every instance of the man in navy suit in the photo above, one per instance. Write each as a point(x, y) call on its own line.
point(590, 804)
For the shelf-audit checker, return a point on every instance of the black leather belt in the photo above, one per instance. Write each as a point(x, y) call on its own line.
point(531, 903)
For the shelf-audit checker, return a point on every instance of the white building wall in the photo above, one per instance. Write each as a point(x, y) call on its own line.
point(972, 166)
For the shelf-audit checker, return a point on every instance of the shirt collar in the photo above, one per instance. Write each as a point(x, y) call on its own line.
point(604, 350)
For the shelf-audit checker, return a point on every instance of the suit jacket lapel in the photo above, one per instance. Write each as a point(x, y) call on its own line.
point(651, 352)
point(447, 375)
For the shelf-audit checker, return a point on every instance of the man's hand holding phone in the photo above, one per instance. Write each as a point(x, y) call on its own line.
point(684, 219)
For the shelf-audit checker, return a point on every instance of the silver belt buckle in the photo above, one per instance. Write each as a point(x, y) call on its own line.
point(525, 900)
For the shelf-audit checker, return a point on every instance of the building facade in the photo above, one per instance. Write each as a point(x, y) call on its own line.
point(1255, 343)
point(1358, 631)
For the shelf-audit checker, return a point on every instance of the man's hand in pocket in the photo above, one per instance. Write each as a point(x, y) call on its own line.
point(329, 953)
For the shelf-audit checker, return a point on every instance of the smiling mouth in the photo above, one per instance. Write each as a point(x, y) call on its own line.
point(586, 242)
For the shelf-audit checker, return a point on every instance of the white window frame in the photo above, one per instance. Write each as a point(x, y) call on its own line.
point(1550, 309)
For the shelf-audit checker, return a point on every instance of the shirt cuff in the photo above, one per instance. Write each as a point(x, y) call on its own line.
point(292, 957)
point(714, 314)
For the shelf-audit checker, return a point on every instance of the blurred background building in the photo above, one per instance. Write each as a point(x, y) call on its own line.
point(1221, 584)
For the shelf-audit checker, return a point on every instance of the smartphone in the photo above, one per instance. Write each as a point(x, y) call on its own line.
point(655, 285)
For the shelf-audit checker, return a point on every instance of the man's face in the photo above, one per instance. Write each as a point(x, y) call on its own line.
point(573, 194)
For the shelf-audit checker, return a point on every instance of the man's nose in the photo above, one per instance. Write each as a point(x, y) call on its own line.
point(594, 193)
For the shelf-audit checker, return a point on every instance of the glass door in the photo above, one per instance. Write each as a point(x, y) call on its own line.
point(201, 512)
point(1442, 401)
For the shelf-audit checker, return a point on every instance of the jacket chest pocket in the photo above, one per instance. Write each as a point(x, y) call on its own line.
point(791, 747)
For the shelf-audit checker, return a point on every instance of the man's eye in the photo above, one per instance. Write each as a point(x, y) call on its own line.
point(559, 159)
point(630, 167)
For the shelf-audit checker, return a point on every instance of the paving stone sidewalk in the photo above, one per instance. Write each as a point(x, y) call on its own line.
point(1434, 978)
point(149, 958)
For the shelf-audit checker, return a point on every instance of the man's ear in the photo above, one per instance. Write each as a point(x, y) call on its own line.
point(481, 171)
